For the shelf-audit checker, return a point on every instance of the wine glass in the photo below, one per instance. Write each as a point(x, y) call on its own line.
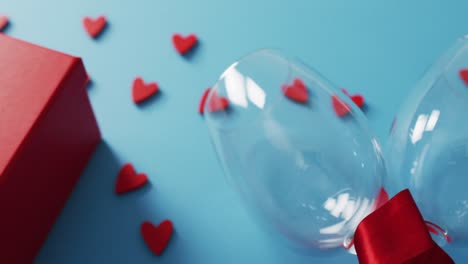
point(428, 147)
point(297, 149)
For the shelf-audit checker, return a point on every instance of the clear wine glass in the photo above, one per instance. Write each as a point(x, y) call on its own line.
point(297, 149)
point(428, 147)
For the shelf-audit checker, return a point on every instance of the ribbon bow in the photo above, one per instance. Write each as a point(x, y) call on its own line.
point(397, 234)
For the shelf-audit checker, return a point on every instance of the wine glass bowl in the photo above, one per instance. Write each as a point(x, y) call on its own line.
point(304, 161)
point(428, 147)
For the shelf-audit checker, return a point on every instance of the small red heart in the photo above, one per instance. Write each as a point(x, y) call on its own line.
point(157, 237)
point(201, 106)
point(357, 98)
point(184, 44)
point(142, 91)
point(3, 22)
point(217, 103)
point(464, 75)
point(128, 180)
point(341, 108)
point(94, 27)
point(297, 91)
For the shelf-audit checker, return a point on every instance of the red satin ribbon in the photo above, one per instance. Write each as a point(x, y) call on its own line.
point(396, 233)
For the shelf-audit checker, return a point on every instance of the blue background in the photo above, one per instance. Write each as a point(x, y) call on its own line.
point(375, 47)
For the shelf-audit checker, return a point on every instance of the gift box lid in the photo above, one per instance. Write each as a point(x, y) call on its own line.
point(25, 92)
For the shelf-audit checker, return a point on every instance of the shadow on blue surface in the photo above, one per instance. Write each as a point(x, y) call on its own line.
point(192, 53)
point(104, 31)
point(102, 237)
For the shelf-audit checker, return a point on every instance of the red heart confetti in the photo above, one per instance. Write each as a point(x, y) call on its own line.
point(217, 103)
point(157, 237)
point(94, 27)
point(464, 75)
point(184, 44)
point(341, 108)
point(3, 22)
point(128, 180)
point(142, 91)
point(201, 106)
point(297, 91)
point(357, 98)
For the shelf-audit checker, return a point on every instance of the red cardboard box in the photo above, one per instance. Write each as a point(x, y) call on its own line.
point(47, 134)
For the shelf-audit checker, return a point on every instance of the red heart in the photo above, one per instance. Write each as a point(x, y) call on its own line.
point(217, 103)
point(128, 180)
point(157, 237)
point(464, 75)
point(142, 91)
point(341, 108)
point(357, 98)
point(296, 91)
point(94, 27)
point(184, 44)
point(3, 22)
point(201, 106)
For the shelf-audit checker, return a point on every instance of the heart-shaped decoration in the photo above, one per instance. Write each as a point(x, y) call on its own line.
point(357, 98)
point(94, 27)
point(3, 22)
point(217, 103)
point(128, 180)
point(201, 105)
point(157, 237)
point(184, 44)
point(297, 91)
point(464, 75)
point(142, 91)
point(341, 108)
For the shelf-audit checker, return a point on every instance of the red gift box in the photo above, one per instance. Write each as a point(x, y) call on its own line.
point(47, 134)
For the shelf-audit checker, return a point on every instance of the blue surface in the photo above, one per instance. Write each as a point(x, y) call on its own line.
point(379, 48)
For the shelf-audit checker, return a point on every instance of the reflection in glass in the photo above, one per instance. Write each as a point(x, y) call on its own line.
point(305, 173)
